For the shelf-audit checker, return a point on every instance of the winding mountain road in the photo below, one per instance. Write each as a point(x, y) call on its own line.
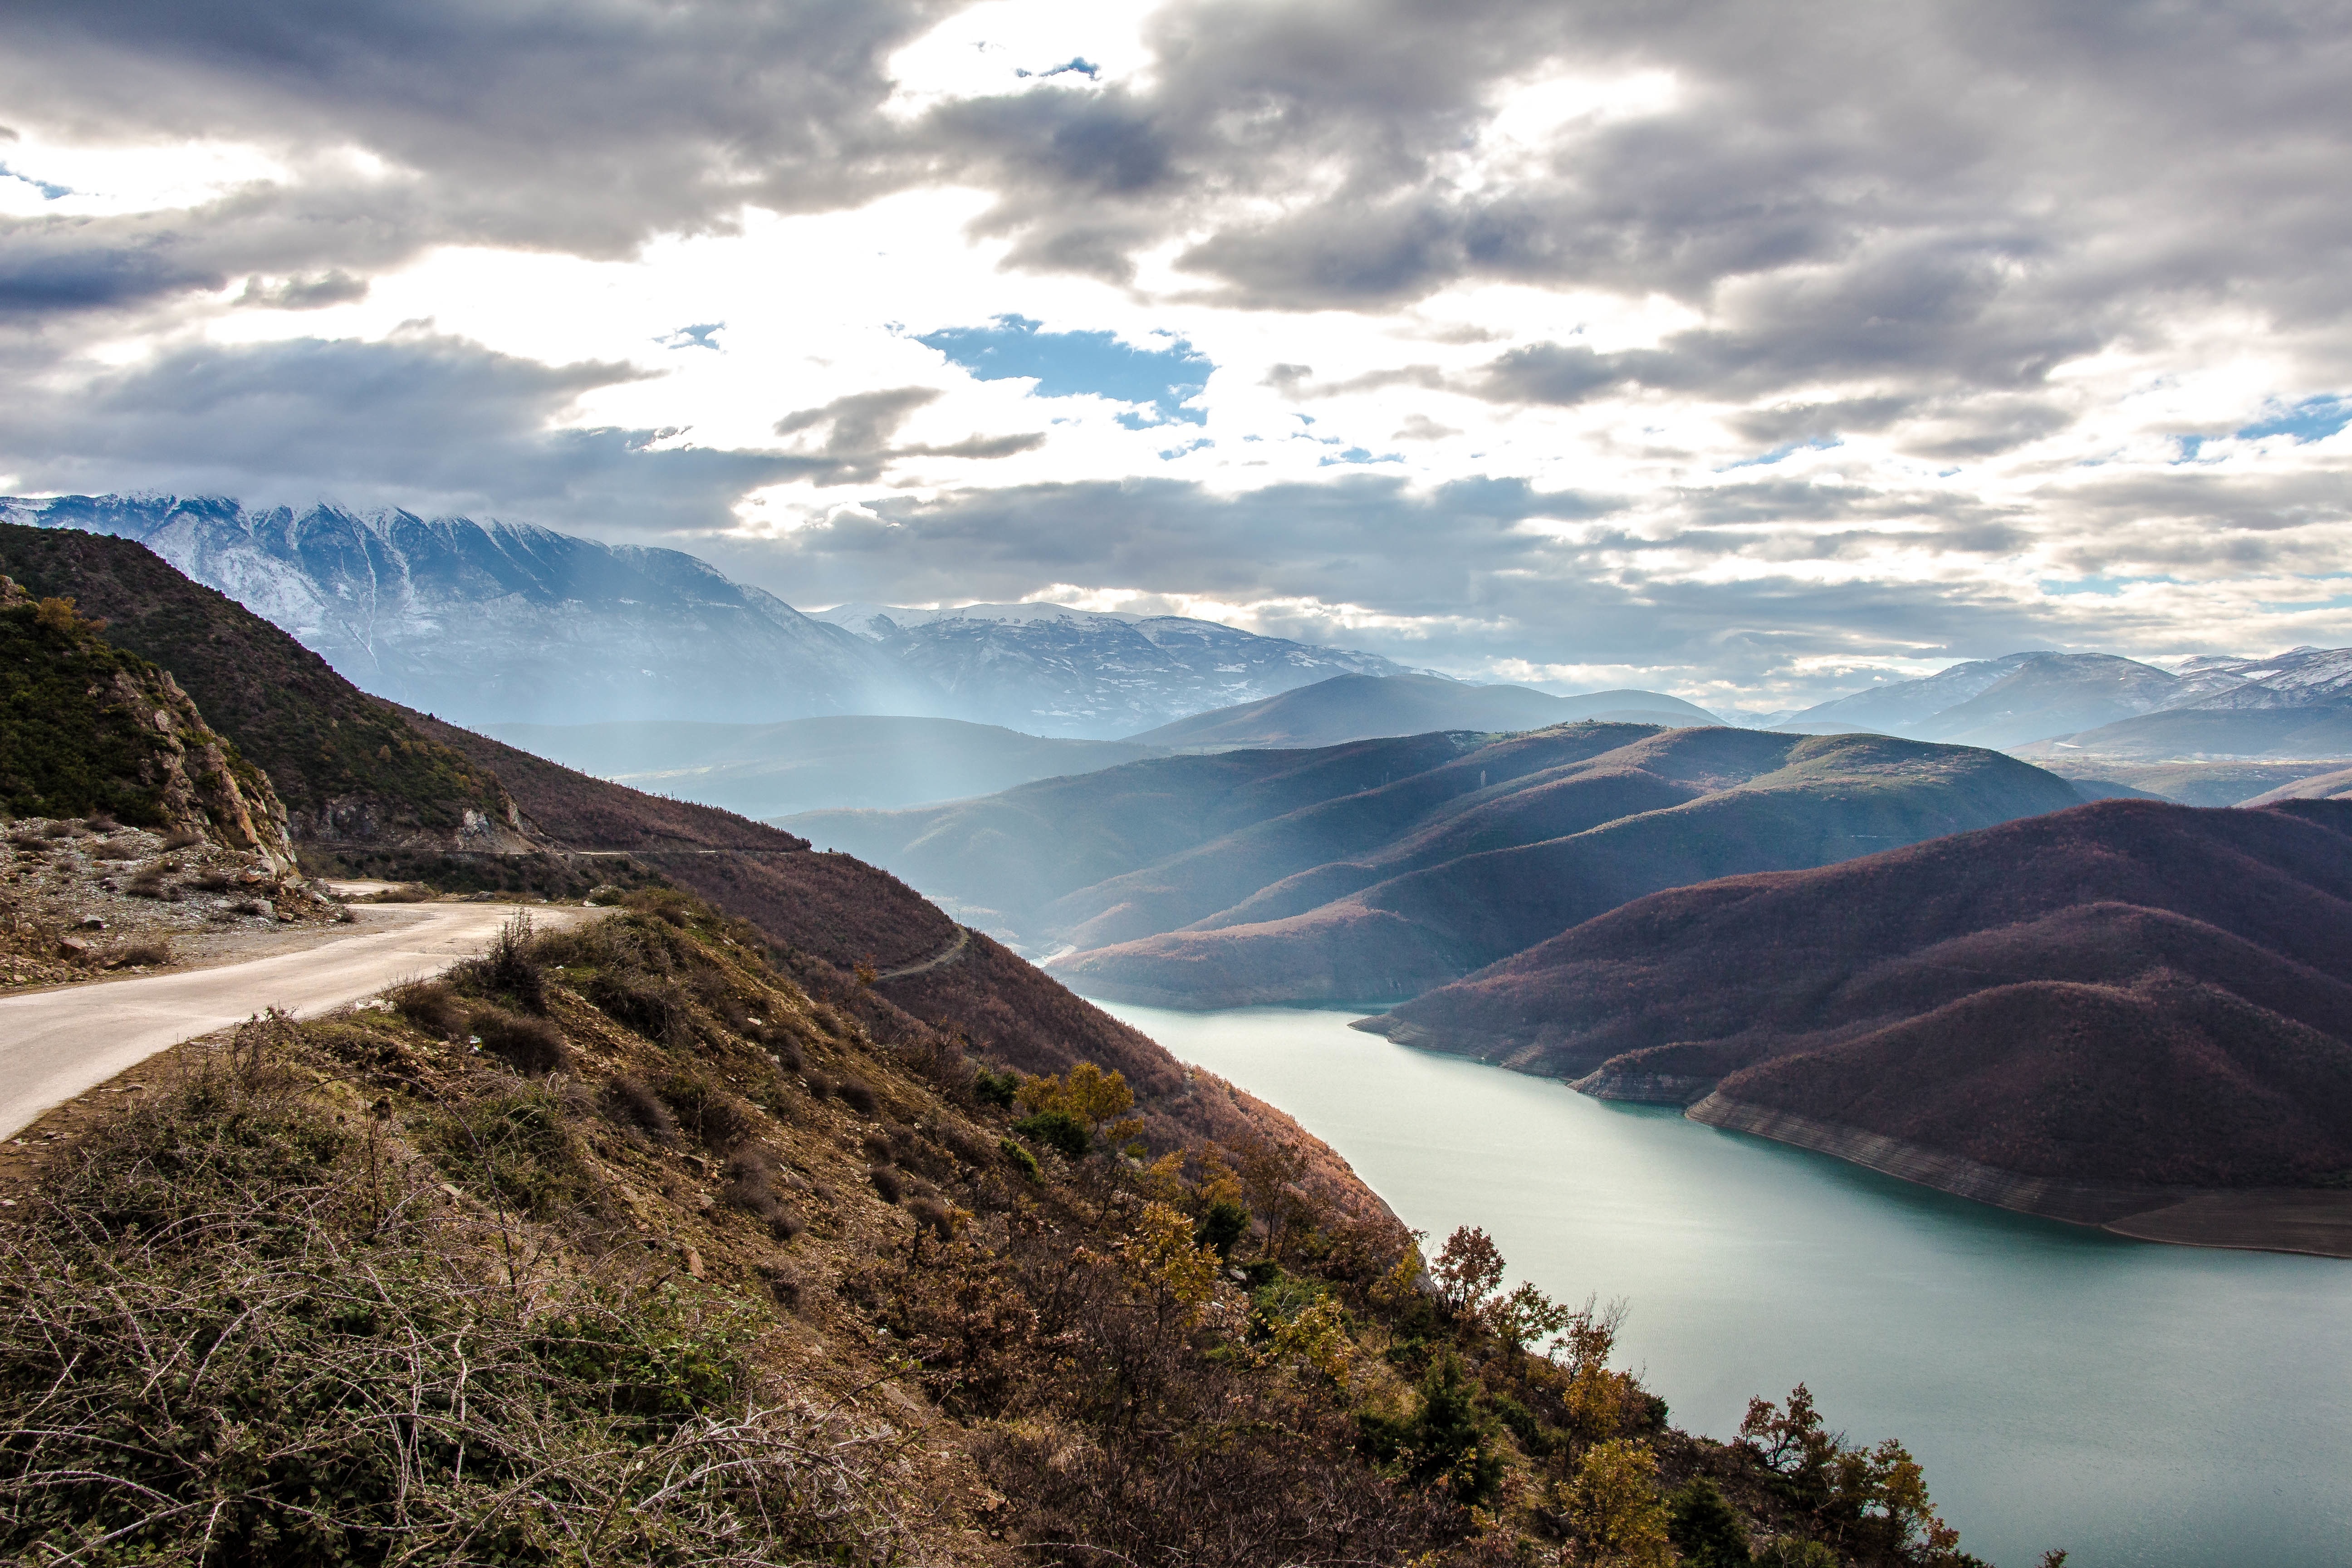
point(55, 1045)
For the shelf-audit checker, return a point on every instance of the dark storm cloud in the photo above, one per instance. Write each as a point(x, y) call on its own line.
point(421, 420)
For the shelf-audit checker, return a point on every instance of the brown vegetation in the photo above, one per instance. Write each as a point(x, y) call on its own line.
point(670, 1307)
point(2130, 992)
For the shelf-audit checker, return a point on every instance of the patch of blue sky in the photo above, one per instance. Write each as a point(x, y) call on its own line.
point(1156, 380)
point(2105, 586)
point(2313, 419)
point(1077, 64)
point(49, 190)
point(1765, 460)
point(2189, 446)
point(1181, 447)
point(1359, 455)
point(695, 337)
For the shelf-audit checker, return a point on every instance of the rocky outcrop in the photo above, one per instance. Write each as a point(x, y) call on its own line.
point(94, 729)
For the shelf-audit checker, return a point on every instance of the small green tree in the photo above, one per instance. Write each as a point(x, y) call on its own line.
point(1448, 1441)
point(1704, 1528)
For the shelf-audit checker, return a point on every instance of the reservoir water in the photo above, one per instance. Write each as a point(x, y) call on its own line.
point(2142, 1406)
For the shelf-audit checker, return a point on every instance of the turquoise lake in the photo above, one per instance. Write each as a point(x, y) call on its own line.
point(2142, 1406)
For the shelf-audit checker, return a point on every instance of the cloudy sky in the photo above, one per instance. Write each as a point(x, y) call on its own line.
point(1737, 349)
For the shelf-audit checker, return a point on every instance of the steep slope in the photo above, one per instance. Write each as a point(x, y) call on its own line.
point(354, 775)
point(1358, 707)
point(563, 832)
point(1047, 669)
point(507, 622)
point(1750, 801)
point(2120, 998)
point(846, 916)
point(87, 729)
point(814, 765)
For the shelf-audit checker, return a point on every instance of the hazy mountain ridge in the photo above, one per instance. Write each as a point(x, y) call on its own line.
point(1384, 867)
point(1346, 707)
point(2043, 704)
point(809, 764)
point(1047, 669)
point(505, 621)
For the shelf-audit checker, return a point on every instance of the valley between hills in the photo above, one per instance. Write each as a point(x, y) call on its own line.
point(809, 1065)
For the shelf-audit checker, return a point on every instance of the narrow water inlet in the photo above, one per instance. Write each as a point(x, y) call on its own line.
point(2138, 1404)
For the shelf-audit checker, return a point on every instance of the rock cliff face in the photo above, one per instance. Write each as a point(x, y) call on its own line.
point(88, 728)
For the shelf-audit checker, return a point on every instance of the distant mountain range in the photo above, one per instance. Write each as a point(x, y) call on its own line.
point(808, 764)
point(1358, 708)
point(2295, 705)
point(1379, 869)
point(2130, 994)
point(1049, 670)
point(506, 623)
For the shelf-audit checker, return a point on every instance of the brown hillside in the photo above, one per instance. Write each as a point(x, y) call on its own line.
point(1443, 907)
point(2130, 992)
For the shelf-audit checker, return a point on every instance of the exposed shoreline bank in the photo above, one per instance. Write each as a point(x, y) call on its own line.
point(2312, 1221)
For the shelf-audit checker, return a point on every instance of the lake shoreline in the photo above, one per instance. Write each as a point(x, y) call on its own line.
point(2314, 1221)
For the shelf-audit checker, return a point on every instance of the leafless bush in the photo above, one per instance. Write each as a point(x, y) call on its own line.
point(712, 1117)
point(820, 1086)
point(182, 838)
point(62, 829)
point(528, 1045)
point(788, 1054)
point(211, 879)
point(629, 1102)
point(115, 849)
point(432, 1007)
point(886, 1182)
point(405, 893)
point(232, 1303)
point(751, 1187)
point(858, 1096)
point(146, 951)
point(250, 907)
point(154, 882)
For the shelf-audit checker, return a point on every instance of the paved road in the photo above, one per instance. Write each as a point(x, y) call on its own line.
point(56, 1043)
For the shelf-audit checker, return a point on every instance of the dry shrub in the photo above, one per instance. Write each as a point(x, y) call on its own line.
point(629, 1102)
point(930, 1215)
point(751, 1187)
point(154, 882)
point(61, 830)
point(783, 1283)
point(888, 1183)
point(788, 1056)
point(228, 1314)
point(715, 1119)
point(212, 880)
point(405, 893)
point(528, 1045)
point(115, 849)
point(250, 907)
point(509, 967)
point(820, 1086)
point(858, 1096)
point(432, 1007)
point(147, 950)
point(183, 838)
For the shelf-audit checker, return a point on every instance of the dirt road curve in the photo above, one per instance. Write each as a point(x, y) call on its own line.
point(56, 1043)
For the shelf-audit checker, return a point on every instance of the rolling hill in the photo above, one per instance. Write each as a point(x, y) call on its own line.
point(1359, 707)
point(1381, 867)
point(1515, 864)
point(2068, 1014)
point(811, 764)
